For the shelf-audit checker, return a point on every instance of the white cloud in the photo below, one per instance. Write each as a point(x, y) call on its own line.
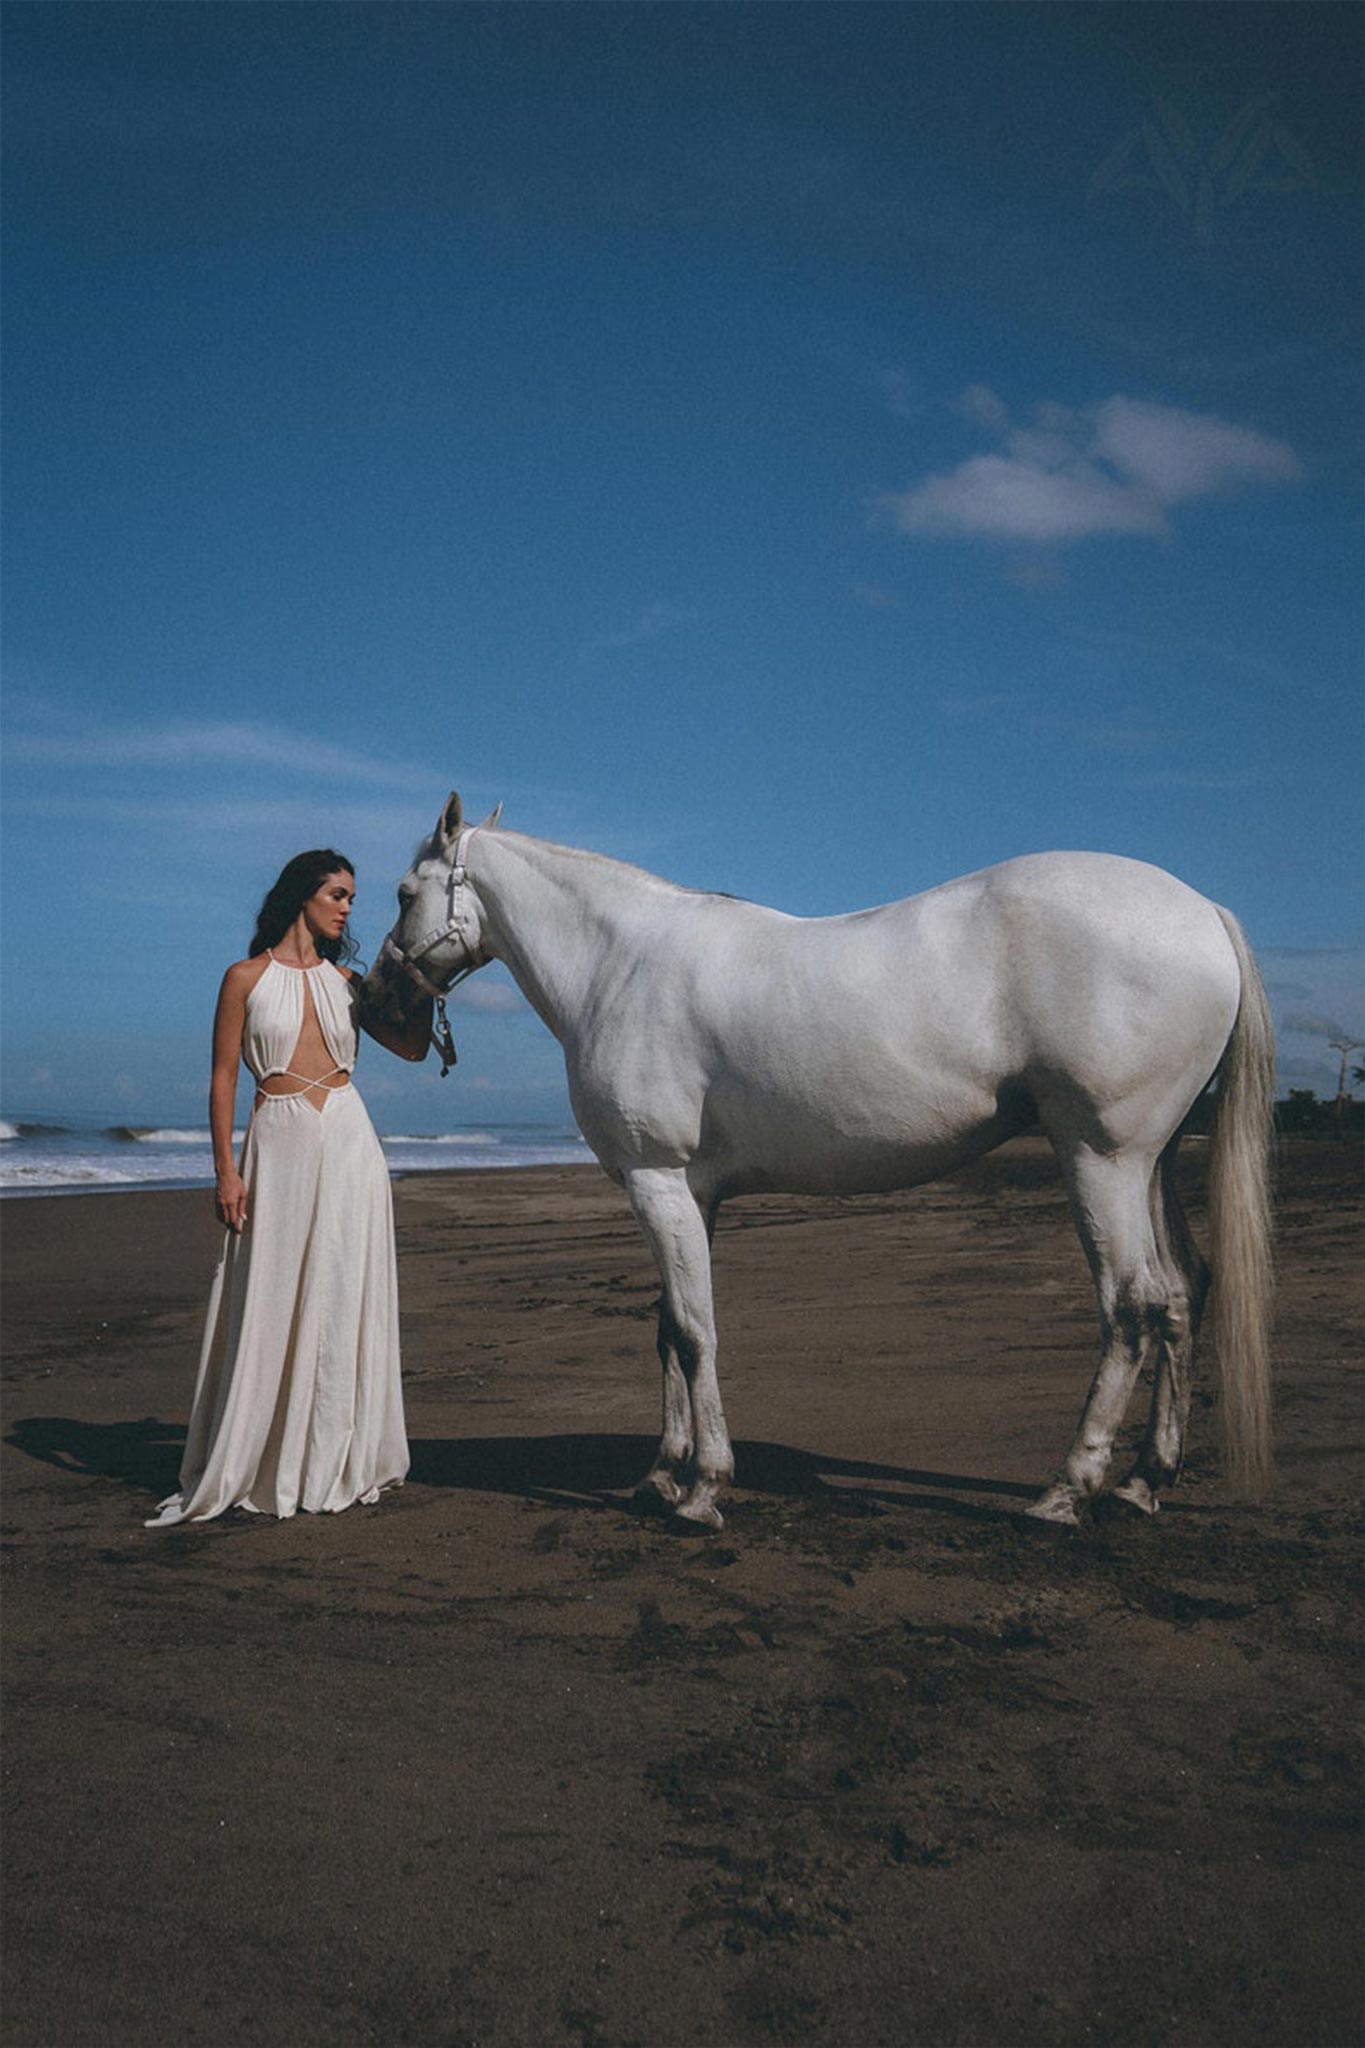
point(898, 390)
point(1312, 1024)
point(1067, 475)
point(490, 998)
point(1025, 715)
point(1004, 497)
point(651, 622)
point(1179, 455)
point(182, 744)
point(981, 406)
point(225, 819)
point(1198, 778)
point(1318, 994)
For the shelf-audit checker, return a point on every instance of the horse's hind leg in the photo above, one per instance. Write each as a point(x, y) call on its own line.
point(694, 1424)
point(1109, 1196)
point(1187, 1277)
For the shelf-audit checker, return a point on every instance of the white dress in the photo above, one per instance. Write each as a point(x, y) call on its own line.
point(298, 1402)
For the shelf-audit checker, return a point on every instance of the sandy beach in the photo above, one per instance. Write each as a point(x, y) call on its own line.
point(496, 1764)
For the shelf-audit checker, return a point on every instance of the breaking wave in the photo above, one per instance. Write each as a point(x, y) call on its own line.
point(41, 1158)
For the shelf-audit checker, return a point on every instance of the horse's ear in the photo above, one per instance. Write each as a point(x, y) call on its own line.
point(450, 820)
point(492, 817)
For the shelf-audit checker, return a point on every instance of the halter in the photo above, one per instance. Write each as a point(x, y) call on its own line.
point(456, 926)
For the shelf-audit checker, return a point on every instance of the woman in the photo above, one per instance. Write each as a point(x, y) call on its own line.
point(298, 1402)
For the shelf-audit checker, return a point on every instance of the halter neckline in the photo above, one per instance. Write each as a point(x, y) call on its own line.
point(297, 970)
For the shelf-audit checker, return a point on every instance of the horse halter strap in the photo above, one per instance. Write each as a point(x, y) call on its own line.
point(456, 917)
point(455, 927)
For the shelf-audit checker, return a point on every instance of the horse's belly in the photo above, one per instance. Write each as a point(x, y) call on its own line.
point(800, 1152)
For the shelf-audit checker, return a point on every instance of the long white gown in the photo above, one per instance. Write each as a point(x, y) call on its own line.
point(298, 1402)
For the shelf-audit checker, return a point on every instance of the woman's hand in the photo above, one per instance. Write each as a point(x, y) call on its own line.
point(229, 1201)
point(396, 1017)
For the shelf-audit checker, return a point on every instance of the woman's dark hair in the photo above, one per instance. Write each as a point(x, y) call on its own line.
point(301, 878)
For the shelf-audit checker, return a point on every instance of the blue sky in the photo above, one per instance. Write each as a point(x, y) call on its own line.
point(810, 451)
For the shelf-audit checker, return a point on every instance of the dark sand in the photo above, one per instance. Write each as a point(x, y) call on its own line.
point(495, 1763)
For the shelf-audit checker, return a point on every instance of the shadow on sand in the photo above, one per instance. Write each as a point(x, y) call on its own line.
point(596, 1470)
point(145, 1453)
point(576, 1470)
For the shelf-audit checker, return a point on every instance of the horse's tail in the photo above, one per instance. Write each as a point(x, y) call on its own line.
point(1240, 1228)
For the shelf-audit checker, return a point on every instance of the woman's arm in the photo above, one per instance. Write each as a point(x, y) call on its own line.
point(405, 1031)
point(229, 1023)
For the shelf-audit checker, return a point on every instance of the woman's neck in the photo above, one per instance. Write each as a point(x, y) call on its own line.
point(298, 947)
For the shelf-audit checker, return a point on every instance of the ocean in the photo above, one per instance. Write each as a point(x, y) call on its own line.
point(56, 1157)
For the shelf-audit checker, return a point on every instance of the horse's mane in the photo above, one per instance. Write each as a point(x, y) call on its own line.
point(427, 849)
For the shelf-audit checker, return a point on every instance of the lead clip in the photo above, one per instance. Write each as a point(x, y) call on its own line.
point(445, 1044)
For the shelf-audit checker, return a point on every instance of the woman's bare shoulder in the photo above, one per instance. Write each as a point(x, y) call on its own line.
point(243, 975)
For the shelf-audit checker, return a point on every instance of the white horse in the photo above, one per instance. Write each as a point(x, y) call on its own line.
point(717, 1048)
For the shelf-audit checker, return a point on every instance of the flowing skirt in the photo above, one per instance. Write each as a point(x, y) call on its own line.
point(298, 1403)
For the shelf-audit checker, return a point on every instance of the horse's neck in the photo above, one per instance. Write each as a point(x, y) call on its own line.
point(553, 914)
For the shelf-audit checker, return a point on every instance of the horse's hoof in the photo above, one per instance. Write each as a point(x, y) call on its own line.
point(696, 1518)
point(1058, 1506)
point(656, 1494)
point(1134, 1497)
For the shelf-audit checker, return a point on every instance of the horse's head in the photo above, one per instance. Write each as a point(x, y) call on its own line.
point(439, 933)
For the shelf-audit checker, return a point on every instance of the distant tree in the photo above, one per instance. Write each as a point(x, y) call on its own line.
point(1345, 1046)
point(1300, 1113)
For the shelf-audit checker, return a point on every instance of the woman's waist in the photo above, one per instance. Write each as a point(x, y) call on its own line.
point(282, 1083)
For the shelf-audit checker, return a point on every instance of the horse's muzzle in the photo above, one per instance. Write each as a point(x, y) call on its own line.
point(386, 993)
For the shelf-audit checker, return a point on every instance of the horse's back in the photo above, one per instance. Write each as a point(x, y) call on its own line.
point(1088, 892)
point(996, 960)
point(1096, 990)
point(884, 1047)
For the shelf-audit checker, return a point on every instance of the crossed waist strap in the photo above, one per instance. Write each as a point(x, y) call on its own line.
point(288, 1074)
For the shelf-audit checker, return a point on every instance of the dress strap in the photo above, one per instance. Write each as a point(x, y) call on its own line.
point(288, 1074)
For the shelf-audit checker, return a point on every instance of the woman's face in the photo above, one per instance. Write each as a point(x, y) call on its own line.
point(330, 905)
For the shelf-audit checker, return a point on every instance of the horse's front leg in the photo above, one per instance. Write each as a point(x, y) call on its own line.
point(664, 1485)
point(696, 1444)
